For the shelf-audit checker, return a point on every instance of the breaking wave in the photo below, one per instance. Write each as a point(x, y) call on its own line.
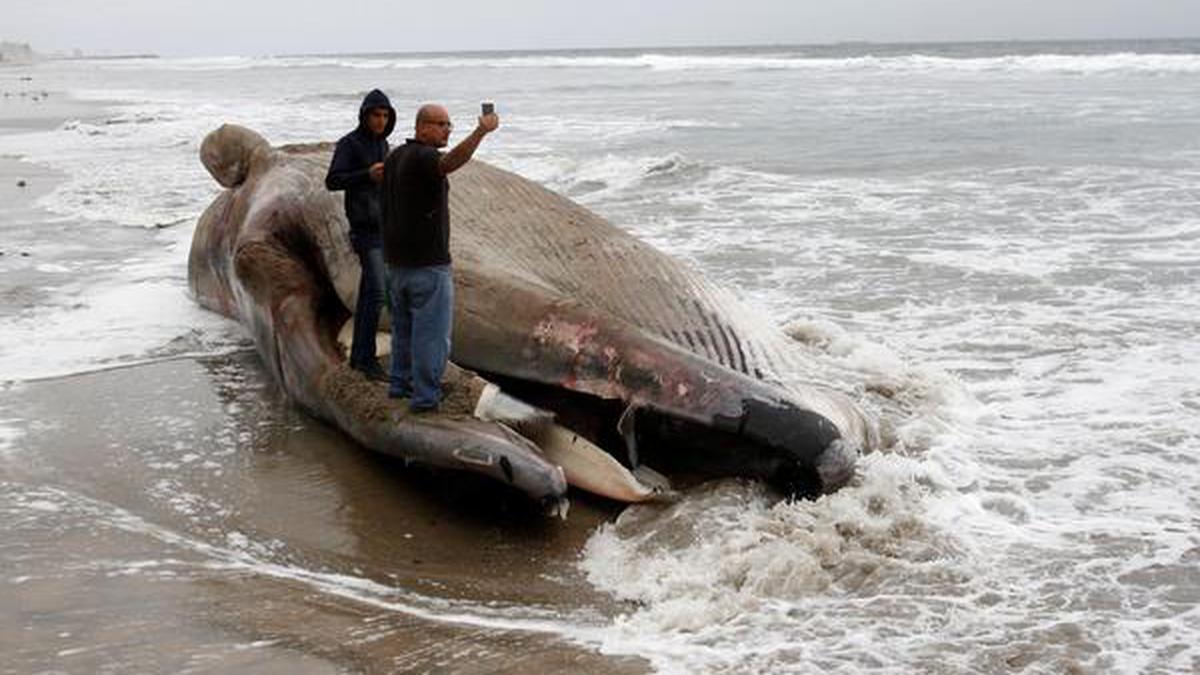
point(1123, 62)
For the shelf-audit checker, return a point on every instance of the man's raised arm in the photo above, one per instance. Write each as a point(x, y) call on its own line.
point(461, 154)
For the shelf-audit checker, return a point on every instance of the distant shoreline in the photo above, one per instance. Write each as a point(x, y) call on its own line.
point(1023, 45)
point(837, 44)
point(107, 57)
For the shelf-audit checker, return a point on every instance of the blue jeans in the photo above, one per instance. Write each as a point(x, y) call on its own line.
point(369, 247)
point(422, 303)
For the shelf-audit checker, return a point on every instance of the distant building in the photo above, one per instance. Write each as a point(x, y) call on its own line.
point(15, 52)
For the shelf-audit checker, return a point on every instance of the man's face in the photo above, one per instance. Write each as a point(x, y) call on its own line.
point(377, 119)
point(434, 128)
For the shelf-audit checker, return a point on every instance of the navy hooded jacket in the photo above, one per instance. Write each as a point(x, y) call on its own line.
point(350, 169)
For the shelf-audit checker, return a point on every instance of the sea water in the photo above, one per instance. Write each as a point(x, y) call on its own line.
point(1003, 238)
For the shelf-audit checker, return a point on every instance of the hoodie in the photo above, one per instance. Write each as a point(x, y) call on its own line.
point(350, 169)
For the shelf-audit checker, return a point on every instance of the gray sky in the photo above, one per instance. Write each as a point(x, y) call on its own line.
point(254, 27)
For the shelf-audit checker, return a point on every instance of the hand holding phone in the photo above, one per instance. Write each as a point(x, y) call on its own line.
point(488, 120)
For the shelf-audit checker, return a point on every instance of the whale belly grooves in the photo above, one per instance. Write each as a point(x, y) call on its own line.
point(512, 227)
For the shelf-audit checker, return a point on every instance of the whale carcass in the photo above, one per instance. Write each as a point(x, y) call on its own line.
point(556, 310)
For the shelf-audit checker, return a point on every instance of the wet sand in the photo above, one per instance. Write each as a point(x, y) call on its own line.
point(28, 233)
point(180, 515)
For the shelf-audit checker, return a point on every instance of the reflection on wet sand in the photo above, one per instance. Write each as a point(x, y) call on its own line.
point(183, 516)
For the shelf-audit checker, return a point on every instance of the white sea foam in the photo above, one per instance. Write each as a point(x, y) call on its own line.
point(104, 325)
point(730, 580)
point(734, 580)
point(1127, 62)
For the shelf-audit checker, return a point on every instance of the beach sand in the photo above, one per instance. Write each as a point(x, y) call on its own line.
point(26, 231)
point(183, 514)
point(180, 515)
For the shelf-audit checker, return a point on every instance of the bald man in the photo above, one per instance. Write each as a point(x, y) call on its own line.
point(416, 246)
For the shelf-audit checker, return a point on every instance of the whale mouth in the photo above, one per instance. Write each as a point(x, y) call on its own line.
point(797, 452)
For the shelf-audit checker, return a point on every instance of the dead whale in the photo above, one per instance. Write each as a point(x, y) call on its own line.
point(556, 310)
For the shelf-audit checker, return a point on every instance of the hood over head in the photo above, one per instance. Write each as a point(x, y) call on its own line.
point(376, 99)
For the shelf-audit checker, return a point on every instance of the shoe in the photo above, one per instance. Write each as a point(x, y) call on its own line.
point(373, 372)
point(399, 394)
point(423, 409)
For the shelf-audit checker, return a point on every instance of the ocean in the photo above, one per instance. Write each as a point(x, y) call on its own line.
point(1002, 237)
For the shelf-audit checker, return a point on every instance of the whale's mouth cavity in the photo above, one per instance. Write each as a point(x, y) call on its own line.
point(591, 417)
point(688, 451)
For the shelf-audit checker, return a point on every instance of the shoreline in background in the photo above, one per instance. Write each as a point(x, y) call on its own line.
point(23, 54)
point(1028, 46)
point(1015, 47)
point(99, 57)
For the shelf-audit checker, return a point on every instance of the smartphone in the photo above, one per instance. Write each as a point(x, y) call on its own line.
point(487, 107)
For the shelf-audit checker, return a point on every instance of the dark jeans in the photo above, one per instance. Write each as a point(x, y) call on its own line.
point(371, 290)
point(422, 304)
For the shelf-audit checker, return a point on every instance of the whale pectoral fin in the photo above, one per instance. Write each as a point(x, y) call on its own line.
point(584, 464)
point(588, 467)
point(496, 406)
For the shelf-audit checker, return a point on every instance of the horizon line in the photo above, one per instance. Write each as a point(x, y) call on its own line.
point(68, 54)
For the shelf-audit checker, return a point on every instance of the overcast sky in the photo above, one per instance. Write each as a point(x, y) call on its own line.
point(255, 27)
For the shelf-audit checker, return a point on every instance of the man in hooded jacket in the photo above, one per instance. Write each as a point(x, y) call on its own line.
point(357, 169)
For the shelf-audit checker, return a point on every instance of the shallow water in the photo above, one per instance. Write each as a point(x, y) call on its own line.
point(1000, 238)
